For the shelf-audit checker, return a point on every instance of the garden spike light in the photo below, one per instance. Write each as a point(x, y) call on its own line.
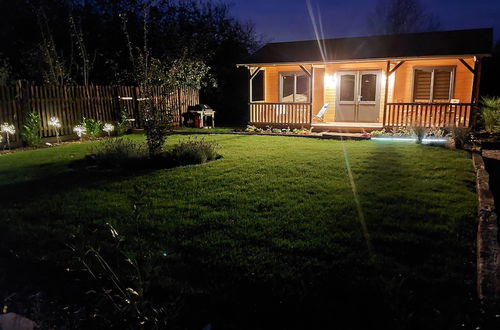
point(79, 130)
point(54, 122)
point(108, 128)
point(8, 129)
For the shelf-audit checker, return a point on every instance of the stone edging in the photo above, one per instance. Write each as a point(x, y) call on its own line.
point(488, 250)
point(310, 136)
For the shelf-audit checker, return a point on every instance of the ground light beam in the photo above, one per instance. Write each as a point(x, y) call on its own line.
point(359, 209)
point(361, 215)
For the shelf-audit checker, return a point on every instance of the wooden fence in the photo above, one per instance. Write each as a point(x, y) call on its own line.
point(280, 113)
point(427, 115)
point(71, 103)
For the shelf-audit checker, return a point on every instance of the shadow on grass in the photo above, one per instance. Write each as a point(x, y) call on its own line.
point(425, 273)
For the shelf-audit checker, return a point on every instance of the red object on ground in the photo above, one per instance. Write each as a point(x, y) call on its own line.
point(197, 122)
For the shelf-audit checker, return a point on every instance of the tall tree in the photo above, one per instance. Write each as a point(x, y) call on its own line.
point(401, 16)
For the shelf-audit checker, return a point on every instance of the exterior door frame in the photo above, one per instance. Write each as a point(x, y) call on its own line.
point(358, 103)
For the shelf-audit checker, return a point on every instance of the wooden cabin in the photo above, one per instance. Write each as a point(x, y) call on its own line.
point(426, 79)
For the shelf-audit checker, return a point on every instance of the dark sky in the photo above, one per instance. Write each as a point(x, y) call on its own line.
point(286, 20)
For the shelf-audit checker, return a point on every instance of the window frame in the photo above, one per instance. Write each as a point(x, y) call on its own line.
point(433, 68)
point(295, 74)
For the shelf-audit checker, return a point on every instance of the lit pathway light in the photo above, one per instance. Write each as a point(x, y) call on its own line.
point(9, 130)
point(54, 122)
point(108, 128)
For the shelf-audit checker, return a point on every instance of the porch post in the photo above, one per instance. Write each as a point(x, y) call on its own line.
point(475, 91)
point(249, 95)
point(311, 94)
point(251, 75)
point(386, 96)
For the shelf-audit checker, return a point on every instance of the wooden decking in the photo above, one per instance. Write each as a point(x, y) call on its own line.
point(346, 126)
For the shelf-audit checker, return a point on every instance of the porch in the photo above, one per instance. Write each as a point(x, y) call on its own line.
point(430, 115)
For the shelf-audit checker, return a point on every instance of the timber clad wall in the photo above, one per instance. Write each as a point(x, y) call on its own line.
point(71, 103)
point(403, 88)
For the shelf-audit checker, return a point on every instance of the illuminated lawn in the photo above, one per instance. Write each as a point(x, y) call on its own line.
point(270, 230)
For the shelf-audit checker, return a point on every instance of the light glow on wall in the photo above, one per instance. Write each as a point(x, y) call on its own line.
point(330, 80)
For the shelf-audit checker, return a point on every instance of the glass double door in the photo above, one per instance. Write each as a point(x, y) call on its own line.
point(358, 96)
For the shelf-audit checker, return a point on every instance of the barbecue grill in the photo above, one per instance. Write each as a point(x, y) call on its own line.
point(199, 116)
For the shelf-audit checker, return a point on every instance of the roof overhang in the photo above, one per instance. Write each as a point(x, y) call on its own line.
point(408, 58)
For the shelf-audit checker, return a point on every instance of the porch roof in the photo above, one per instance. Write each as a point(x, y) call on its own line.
point(426, 44)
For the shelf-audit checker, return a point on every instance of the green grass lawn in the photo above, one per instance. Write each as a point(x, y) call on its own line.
point(273, 229)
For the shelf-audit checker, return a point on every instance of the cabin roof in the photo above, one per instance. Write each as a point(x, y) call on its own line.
point(424, 44)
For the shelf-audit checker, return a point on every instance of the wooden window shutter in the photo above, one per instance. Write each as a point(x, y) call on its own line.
point(422, 85)
point(442, 83)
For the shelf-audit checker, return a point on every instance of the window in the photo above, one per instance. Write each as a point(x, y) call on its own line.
point(258, 87)
point(433, 84)
point(294, 87)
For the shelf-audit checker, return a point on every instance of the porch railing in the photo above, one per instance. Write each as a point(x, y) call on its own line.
point(280, 113)
point(427, 114)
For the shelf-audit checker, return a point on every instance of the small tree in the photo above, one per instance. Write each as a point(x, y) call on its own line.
point(31, 130)
point(154, 76)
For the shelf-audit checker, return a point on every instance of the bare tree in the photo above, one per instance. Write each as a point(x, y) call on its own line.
point(402, 16)
point(77, 34)
point(53, 69)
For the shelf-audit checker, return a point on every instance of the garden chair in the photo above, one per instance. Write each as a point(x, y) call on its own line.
point(322, 112)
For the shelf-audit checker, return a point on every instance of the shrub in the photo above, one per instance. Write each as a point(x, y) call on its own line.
point(436, 132)
point(401, 131)
point(419, 132)
point(123, 124)
point(93, 127)
point(250, 128)
point(460, 135)
point(378, 133)
point(490, 112)
point(116, 152)
point(31, 130)
point(193, 151)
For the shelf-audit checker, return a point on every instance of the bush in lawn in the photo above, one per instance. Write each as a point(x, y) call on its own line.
point(193, 151)
point(31, 130)
point(490, 112)
point(460, 135)
point(419, 132)
point(118, 152)
point(93, 127)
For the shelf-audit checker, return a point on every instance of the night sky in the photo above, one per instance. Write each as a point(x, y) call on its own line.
point(287, 20)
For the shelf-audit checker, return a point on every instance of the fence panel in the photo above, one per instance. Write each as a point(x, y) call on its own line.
point(71, 103)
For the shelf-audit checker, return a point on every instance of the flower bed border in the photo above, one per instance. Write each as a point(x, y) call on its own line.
point(488, 249)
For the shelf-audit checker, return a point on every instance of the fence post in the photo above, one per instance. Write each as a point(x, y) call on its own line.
point(180, 106)
point(136, 110)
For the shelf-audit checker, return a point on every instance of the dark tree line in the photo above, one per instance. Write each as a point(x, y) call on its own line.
point(90, 42)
